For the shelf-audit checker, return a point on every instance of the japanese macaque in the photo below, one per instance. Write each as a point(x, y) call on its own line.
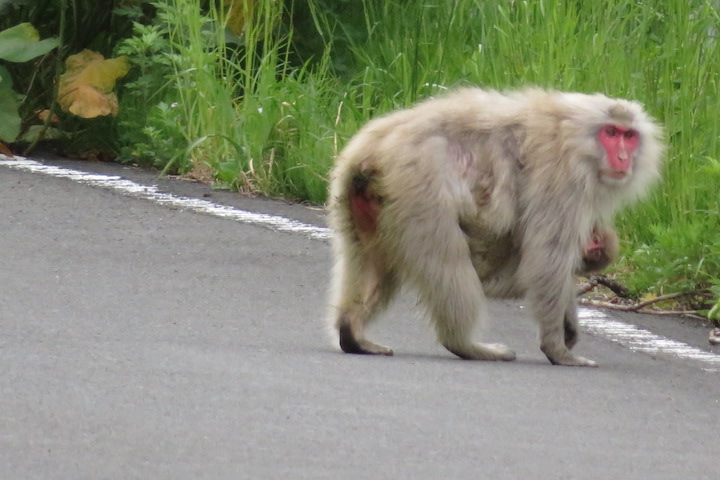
point(482, 194)
point(602, 249)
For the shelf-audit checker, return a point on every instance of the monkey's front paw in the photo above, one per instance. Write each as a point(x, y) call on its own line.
point(559, 354)
point(571, 335)
point(574, 361)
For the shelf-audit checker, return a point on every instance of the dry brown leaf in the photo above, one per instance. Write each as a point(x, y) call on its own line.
point(5, 150)
point(44, 114)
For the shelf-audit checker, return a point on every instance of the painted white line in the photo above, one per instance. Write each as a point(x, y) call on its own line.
point(152, 193)
point(599, 323)
point(640, 340)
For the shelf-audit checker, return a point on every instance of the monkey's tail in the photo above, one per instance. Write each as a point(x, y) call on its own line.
point(361, 182)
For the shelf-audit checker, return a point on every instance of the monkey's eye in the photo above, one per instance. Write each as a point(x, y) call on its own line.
point(610, 131)
point(630, 134)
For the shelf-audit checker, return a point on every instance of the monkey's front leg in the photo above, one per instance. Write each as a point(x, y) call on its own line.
point(557, 316)
point(570, 324)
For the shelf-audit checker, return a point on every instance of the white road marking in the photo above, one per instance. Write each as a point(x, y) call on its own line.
point(152, 193)
point(641, 340)
point(597, 322)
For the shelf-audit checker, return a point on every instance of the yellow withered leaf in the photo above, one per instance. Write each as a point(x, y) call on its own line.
point(243, 14)
point(86, 86)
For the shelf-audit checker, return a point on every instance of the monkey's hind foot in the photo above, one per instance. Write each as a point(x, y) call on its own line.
point(350, 344)
point(483, 351)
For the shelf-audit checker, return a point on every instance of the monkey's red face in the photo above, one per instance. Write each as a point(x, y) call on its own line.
point(620, 144)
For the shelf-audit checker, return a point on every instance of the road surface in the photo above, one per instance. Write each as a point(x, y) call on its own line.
point(142, 339)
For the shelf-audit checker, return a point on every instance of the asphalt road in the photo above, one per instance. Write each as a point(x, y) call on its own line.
point(141, 341)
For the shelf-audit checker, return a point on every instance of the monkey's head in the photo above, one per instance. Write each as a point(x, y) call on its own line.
point(620, 143)
point(631, 146)
point(625, 143)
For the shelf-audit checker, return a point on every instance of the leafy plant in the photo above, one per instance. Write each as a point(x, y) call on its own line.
point(151, 126)
point(161, 142)
point(20, 43)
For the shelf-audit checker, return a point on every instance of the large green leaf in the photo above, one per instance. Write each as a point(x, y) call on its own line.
point(5, 78)
point(5, 3)
point(22, 43)
point(9, 117)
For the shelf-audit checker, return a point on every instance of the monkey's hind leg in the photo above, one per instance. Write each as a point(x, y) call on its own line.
point(360, 294)
point(450, 286)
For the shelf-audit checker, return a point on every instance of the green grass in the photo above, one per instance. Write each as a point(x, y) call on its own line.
point(664, 54)
point(265, 124)
point(258, 123)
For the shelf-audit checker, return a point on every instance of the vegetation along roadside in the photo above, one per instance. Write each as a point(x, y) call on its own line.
point(259, 95)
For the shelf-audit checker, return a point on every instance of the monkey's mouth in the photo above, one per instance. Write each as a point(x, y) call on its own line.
point(615, 174)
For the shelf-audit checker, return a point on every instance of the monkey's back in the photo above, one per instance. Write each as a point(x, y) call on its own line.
point(467, 151)
point(439, 153)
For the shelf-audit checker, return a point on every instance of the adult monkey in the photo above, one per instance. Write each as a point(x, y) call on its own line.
point(482, 193)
